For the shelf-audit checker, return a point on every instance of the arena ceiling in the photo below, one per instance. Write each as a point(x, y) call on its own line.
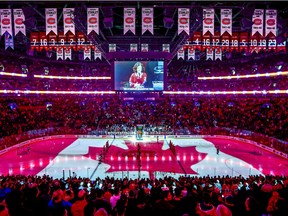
point(165, 19)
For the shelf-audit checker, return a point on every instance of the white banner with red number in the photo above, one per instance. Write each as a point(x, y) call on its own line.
point(19, 19)
point(59, 53)
point(87, 53)
point(270, 22)
point(51, 20)
point(92, 20)
point(129, 20)
point(147, 20)
point(184, 20)
point(208, 21)
point(258, 20)
point(6, 21)
point(67, 53)
point(68, 20)
point(181, 53)
point(144, 47)
point(134, 47)
point(226, 21)
point(97, 53)
point(191, 54)
point(166, 48)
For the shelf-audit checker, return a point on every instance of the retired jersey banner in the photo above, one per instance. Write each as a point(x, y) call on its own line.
point(52, 39)
point(270, 22)
point(166, 48)
point(144, 48)
point(134, 47)
point(92, 20)
point(68, 20)
point(226, 21)
point(129, 20)
point(43, 39)
point(51, 20)
point(257, 20)
point(19, 19)
point(218, 53)
point(191, 53)
point(209, 54)
point(97, 53)
point(208, 21)
point(6, 21)
point(147, 20)
point(184, 20)
point(112, 47)
point(87, 53)
point(59, 53)
point(181, 53)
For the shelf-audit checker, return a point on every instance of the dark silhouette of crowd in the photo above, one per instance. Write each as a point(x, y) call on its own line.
point(189, 196)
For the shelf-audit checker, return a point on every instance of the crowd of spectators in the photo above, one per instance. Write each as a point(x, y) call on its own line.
point(171, 114)
point(189, 196)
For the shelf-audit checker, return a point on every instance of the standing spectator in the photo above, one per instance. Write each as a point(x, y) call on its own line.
point(77, 208)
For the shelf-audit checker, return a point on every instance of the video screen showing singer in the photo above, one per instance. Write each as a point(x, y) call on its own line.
point(138, 77)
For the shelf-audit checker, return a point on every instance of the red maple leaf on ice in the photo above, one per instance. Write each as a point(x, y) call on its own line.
point(152, 157)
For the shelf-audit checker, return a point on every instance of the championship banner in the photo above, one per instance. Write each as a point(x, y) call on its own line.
point(191, 53)
point(272, 43)
point(147, 20)
point(112, 47)
point(62, 39)
point(218, 53)
point(34, 41)
point(6, 21)
point(226, 21)
point(257, 20)
point(59, 53)
point(51, 20)
point(87, 53)
point(196, 41)
point(9, 41)
point(52, 39)
point(81, 40)
point(208, 21)
point(92, 20)
point(206, 42)
point(68, 20)
point(234, 45)
point(184, 20)
point(97, 53)
point(271, 22)
point(129, 20)
point(43, 39)
point(71, 38)
point(144, 47)
point(180, 54)
point(225, 42)
point(19, 19)
point(209, 54)
point(243, 43)
point(166, 48)
point(134, 47)
point(67, 53)
point(253, 45)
